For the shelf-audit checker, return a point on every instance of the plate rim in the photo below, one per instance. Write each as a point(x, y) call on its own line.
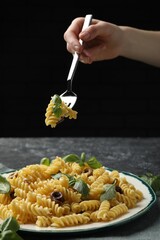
point(111, 225)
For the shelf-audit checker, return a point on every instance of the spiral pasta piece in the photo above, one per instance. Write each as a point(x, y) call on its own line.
point(116, 211)
point(43, 221)
point(139, 195)
point(5, 212)
point(103, 209)
point(70, 220)
point(90, 205)
point(5, 199)
point(130, 202)
point(66, 112)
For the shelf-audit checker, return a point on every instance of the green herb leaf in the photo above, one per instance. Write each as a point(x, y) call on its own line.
point(57, 111)
point(57, 176)
point(83, 157)
point(45, 161)
point(8, 229)
point(5, 186)
point(156, 184)
point(153, 181)
point(10, 223)
point(71, 158)
point(72, 180)
point(57, 105)
point(94, 163)
point(109, 193)
point(57, 100)
point(81, 187)
point(9, 235)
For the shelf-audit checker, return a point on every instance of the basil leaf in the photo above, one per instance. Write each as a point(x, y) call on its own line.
point(81, 187)
point(72, 180)
point(57, 111)
point(5, 186)
point(156, 184)
point(10, 223)
point(153, 181)
point(45, 161)
point(146, 179)
point(81, 163)
point(83, 157)
point(57, 105)
point(71, 158)
point(9, 235)
point(94, 163)
point(57, 176)
point(56, 100)
point(109, 193)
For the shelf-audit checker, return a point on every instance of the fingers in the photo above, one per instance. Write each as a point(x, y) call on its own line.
point(74, 46)
point(85, 59)
point(71, 36)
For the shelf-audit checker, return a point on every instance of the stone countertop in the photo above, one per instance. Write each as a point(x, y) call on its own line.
point(135, 155)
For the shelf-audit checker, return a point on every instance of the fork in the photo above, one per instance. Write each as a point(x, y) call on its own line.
point(69, 97)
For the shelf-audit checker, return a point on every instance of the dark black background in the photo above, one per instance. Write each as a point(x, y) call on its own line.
point(119, 97)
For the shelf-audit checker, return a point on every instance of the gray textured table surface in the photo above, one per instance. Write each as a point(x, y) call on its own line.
point(135, 155)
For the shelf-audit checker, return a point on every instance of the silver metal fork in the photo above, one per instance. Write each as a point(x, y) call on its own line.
point(69, 97)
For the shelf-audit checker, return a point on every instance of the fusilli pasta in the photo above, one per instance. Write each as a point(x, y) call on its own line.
point(52, 117)
point(46, 195)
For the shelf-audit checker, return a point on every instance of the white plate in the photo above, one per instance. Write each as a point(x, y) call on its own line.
point(142, 207)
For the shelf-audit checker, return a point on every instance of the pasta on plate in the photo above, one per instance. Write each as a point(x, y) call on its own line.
point(58, 110)
point(67, 193)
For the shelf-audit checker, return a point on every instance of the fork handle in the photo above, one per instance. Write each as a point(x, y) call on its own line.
point(87, 21)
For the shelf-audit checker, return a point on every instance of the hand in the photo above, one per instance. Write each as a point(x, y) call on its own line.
point(102, 40)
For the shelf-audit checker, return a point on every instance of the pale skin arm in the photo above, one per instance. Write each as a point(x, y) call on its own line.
point(104, 41)
point(142, 45)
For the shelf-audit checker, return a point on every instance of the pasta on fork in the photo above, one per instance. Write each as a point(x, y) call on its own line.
point(57, 110)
